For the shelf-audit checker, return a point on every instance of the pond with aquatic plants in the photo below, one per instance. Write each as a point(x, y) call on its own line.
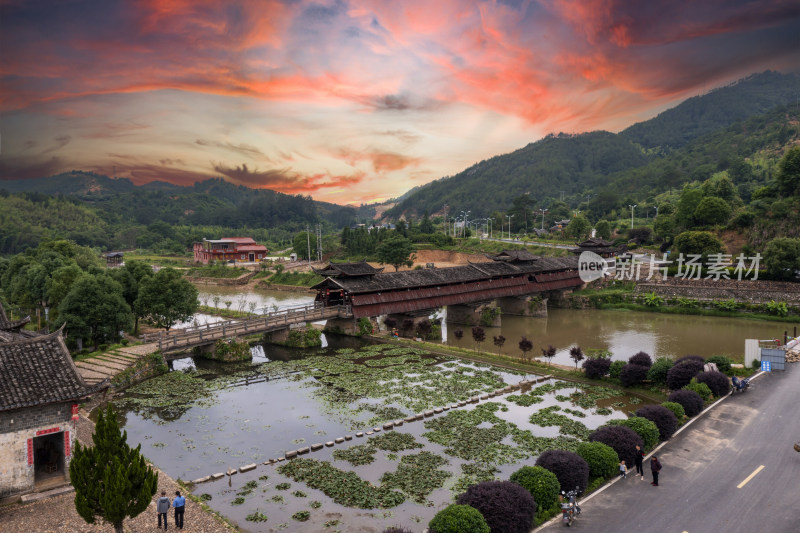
point(205, 417)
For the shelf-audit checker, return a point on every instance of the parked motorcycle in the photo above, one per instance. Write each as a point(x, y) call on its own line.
point(739, 385)
point(570, 508)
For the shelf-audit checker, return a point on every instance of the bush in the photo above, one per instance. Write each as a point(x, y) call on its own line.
point(677, 410)
point(658, 372)
point(596, 368)
point(682, 373)
point(615, 368)
point(632, 375)
point(569, 467)
point(458, 519)
point(603, 461)
point(663, 418)
point(718, 382)
point(621, 439)
point(505, 506)
point(700, 388)
point(641, 359)
point(722, 362)
point(691, 402)
point(686, 358)
point(646, 429)
point(540, 482)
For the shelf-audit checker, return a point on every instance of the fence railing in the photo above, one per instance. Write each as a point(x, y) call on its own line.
point(219, 330)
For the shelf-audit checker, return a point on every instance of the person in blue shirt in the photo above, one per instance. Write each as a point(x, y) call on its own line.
point(179, 503)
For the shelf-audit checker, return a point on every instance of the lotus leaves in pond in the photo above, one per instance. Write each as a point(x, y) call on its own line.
point(417, 475)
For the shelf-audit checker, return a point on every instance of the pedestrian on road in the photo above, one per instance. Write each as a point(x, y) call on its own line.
point(179, 503)
point(623, 470)
point(638, 457)
point(162, 508)
point(655, 468)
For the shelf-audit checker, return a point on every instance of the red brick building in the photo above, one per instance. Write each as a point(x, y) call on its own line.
point(239, 249)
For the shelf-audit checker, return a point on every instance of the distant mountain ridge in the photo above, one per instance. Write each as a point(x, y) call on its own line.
point(563, 166)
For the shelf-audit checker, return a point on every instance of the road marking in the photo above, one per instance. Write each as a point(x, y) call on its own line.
point(751, 476)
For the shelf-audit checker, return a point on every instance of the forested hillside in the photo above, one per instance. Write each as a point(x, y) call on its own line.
point(706, 134)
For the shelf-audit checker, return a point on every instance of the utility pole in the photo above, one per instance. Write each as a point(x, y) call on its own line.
point(632, 208)
point(319, 242)
point(509, 226)
point(543, 211)
point(446, 223)
point(308, 237)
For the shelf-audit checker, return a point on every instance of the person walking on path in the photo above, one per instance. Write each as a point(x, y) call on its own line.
point(655, 468)
point(623, 470)
point(179, 503)
point(162, 508)
point(638, 457)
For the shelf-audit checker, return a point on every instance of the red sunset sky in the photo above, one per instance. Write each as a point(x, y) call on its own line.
point(352, 100)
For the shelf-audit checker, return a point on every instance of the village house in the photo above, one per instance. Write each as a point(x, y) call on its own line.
point(236, 249)
point(40, 389)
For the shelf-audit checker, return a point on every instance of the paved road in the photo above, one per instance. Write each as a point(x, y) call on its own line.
point(703, 465)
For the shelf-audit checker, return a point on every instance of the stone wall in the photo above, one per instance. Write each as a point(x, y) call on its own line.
point(19, 426)
point(758, 291)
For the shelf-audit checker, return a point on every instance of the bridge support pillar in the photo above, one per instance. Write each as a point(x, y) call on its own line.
point(279, 335)
point(342, 326)
point(406, 325)
point(487, 315)
point(530, 305)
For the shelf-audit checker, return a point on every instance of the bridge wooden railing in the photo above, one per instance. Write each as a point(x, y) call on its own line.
point(197, 335)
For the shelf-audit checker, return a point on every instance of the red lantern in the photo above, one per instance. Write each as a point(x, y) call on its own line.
point(74, 411)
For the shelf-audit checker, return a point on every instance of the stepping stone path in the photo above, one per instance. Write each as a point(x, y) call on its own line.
point(107, 365)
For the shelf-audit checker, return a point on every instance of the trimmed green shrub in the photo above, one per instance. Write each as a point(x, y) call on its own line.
point(569, 467)
point(603, 461)
point(686, 358)
point(458, 519)
point(596, 367)
point(505, 506)
point(663, 418)
point(646, 429)
point(621, 439)
point(718, 382)
point(632, 374)
point(615, 368)
point(540, 482)
point(722, 362)
point(658, 372)
point(682, 373)
point(700, 388)
point(641, 359)
point(677, 410)
point(691, 402)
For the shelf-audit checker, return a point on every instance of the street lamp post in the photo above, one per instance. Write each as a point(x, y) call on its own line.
point(509, 226)
point(543, 211)
point(632, 208)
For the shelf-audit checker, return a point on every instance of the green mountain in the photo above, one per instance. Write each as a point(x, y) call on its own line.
point(611, 168)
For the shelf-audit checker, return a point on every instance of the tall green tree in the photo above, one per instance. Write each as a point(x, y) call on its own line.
point(782, 258)
point(789, 173)
point(603, 229)
point(130, 277)
point(578, 228)
point(698, 242)
point(712, 210)
point(166, 298)
point(94, 308)
point(395, 250)
point(112, 480)
point(301, 245)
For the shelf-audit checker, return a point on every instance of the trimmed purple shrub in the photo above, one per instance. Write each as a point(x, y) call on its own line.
point(571, 469)
point(691, 401)
point(641, 359)
point(663, 418)
point(506, 506)
point(685, 358)
point(682, 373)
point(632, 374)
point(622, 439)
point(596, 368)
point(718, 382)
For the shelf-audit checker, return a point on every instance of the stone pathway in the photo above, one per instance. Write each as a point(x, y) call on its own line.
point(109, 364)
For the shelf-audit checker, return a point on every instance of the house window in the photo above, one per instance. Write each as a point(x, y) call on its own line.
point(259, 256)
point(244, 256)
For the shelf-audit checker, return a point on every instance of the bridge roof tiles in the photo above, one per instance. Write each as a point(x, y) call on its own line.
point(39, 371)
point(361, 268)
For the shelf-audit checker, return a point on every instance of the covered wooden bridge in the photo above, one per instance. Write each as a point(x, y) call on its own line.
point(517, 281)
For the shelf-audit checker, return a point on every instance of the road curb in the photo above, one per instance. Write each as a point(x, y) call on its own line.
point(652, 452)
